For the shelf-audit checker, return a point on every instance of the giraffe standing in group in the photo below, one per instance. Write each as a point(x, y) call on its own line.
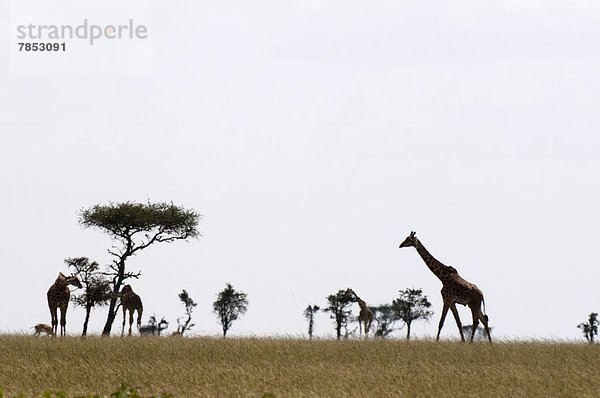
point(131, 302)
point(58, 298)
point(365, 316)
point(455, 290)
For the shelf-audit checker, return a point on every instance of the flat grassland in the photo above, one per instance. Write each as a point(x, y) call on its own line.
point(288, 367)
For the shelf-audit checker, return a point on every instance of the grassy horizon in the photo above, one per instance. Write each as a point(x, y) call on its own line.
point(284, 367)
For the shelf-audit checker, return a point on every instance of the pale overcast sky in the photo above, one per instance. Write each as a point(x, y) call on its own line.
point(313, 137)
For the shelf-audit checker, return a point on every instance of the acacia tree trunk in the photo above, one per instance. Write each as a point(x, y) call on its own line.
point(408, 330)
point(88, 309)
point(185, 325)
point(112, 313)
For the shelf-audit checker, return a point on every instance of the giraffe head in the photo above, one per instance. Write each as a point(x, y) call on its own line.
point(411, 240)
point(351, 292)
point(73, 280)
point(126, 289)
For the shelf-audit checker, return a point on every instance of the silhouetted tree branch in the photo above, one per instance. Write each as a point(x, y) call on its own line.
point(189, 307)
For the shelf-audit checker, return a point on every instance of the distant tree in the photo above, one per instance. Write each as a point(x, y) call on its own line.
point(189, 307)
point(480, 333)
point(133, 227)
point(338, 306)
point(590, 328)
point(229, 306)
point(412, 305)
point(154, 327)
point(309, 314)
point(96, 288)
point(384, 316)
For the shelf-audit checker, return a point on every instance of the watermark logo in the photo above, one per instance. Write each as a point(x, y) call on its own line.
point(85, 31)
point(71, 36)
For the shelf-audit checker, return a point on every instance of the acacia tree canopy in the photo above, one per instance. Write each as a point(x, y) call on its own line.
point(135, 226)
point(149, 222)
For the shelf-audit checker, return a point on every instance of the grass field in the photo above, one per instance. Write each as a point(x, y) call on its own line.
point(253, 367)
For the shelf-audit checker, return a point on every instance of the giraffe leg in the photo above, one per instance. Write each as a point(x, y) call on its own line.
point(123, 325)
point(457, 318)
point(54, 316)
point(475, 311)
point(130, 322)
point(484, 320)
point(359, 327)
point(63, 321)
point(442, 319)
point(139, 318)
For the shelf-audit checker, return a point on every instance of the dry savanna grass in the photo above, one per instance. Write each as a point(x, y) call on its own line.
point(286, 367)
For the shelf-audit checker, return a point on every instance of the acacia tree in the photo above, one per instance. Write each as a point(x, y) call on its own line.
point(133, 227)
point(230, 304)
point(590, 328)
point(309, 314)
point(189, 307)
point(384, 316)
point(338, 307)
point(411, 306)
point(96, 291)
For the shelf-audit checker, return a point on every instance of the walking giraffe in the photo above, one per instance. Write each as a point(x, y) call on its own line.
point(365, 316)
point(131, 302)
point(58, 298)
point(455, 290)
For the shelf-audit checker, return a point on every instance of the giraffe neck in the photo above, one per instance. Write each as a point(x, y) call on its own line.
point(361, 303)
point(440, 270)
